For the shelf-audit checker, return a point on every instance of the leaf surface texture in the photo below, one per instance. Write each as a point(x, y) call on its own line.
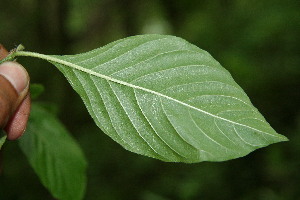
point(163, 97)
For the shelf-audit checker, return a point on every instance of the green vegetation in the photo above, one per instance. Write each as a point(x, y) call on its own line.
point(256, 42)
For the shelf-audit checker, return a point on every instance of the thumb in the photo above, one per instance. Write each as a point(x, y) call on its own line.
point(14, 83)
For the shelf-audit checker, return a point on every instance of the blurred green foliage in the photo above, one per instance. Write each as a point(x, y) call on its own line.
point(257, 41)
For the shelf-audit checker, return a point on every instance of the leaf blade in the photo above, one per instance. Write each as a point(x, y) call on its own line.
point(186, 89)
point(54, 155)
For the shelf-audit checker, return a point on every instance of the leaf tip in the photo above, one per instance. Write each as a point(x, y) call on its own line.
point(284, 138)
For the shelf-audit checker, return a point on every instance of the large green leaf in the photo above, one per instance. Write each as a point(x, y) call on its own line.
point(54, 155)
point(163, 97)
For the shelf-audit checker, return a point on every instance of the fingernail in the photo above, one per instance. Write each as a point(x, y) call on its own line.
point(16, 75)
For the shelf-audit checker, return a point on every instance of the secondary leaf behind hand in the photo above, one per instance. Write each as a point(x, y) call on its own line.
point(54, 155)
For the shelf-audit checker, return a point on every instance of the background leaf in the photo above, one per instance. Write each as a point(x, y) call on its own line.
point(163, 97)
point(36, 90)
point(54, 155)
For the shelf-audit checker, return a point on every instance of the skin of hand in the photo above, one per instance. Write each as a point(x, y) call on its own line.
point(14, 97)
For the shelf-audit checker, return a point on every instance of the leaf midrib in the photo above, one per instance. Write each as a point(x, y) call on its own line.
point(88, 71)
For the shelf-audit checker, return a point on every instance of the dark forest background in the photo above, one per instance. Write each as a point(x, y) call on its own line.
point(258, 41)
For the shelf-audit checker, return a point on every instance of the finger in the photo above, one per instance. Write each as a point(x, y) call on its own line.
point(8, 95)
point(13, 89)
point(17, 124)
point(3, 52)
point(17, 76)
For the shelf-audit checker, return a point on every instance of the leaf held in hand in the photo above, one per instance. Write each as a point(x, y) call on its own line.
point(163, 97)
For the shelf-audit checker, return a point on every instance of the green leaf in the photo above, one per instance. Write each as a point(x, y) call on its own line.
point(54, 155)
point(36, 90)
point(2, 138)
point(163, 97)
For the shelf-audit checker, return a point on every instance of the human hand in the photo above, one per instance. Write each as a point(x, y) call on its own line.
point(14, 97)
